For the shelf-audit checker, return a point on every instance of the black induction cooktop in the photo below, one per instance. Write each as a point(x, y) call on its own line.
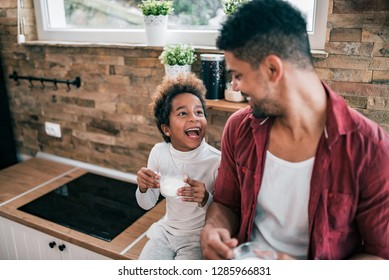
point(93, 204)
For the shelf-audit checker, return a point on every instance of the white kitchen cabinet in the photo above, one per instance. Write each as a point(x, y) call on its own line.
point(7, 243)
point(19, 242)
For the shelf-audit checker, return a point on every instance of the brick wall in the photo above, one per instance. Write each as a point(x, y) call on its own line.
point(358, 63)
point(106, 121)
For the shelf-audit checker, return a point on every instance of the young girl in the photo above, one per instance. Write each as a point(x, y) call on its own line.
point(180, 115)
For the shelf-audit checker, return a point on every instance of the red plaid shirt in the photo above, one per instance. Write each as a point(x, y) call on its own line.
point(349, 197)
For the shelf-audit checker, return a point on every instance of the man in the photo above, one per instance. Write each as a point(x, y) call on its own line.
point(300, 171)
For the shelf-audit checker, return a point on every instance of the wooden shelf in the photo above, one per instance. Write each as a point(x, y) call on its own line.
point(223, 105)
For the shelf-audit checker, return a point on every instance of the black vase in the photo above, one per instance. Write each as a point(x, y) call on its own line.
point(213, 75)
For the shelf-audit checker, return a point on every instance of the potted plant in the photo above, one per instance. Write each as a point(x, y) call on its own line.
point(155, 17)
point(230, 6)
point(177, 58)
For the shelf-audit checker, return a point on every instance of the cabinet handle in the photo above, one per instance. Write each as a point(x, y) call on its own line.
point(61, 247)
point(52, 244)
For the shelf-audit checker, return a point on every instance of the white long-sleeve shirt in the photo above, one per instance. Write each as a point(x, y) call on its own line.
point(182, 218)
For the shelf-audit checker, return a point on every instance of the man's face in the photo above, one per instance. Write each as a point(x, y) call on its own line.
point(254, 83)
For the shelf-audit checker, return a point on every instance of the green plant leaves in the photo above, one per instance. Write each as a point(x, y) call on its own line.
point(230, 6)
point(179, 54)
point(156, 8)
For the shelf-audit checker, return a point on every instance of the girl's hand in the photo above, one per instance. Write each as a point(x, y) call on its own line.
point(147, 178)
point(196, 192)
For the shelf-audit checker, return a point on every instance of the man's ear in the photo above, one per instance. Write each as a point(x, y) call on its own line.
point(275, 67)
point(165, 130)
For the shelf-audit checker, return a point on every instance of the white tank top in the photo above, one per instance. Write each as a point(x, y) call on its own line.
point(281, 217)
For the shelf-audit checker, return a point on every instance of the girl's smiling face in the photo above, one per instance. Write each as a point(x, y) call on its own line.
point(187, 122)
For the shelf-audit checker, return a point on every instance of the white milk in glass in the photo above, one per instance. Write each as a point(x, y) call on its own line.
point(170, 186)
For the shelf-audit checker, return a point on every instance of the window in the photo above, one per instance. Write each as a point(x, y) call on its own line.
point(120, 21)
point(315, 12)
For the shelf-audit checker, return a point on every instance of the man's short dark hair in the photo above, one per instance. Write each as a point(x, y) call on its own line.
point(263, 27)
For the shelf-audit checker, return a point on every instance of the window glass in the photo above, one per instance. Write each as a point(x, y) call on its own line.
point(307, 7)
point(124, 14)
point(121, 21)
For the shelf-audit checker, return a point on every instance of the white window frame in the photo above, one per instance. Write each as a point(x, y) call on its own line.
point(205, 38)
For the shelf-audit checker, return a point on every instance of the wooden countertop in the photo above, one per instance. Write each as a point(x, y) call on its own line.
point(26, 181)
point(223, 105)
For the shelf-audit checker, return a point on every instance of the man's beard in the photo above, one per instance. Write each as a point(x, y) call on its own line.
point(258, 113)
point(265, 108)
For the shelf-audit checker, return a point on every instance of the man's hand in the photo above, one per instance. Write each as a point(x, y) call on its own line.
point(216, 243)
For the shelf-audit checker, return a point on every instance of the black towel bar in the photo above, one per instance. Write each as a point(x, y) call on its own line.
point(76, 82)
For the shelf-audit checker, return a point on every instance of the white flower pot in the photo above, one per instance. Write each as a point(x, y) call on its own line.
point(174, 70)
point(156, 27)
point(233, 96)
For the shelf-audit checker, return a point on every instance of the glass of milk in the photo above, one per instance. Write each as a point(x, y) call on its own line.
point(170, 185)
point(254, 251)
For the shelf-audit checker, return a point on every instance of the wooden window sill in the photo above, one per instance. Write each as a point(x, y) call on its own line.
point(67, 44)
point(223, 105)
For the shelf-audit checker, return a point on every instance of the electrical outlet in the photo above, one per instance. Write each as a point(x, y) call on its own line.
point(53, 129)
